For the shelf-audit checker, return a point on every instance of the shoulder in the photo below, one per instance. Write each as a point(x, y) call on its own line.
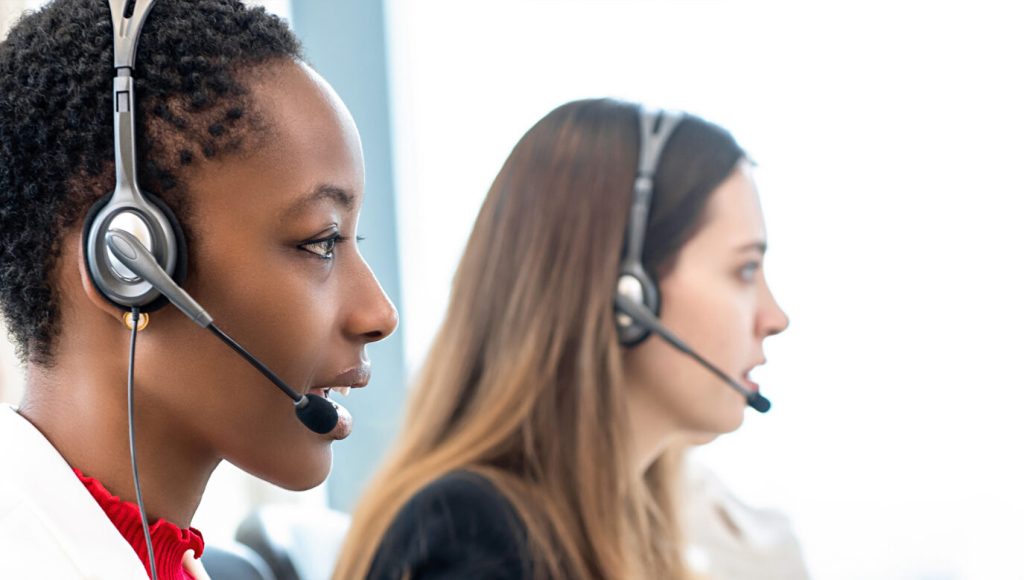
point(465, 495)
point(458, 526)
point(47, 516)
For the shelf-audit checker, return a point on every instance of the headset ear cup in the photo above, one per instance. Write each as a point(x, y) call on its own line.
point(181, 263)
point(87, 226)
point(645, 291)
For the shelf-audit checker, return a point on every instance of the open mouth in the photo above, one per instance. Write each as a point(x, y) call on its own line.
point(748, 381)
point(326, 391)
point(750, 384)
point(342, 384)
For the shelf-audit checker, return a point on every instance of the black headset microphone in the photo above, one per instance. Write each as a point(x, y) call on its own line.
point(637, 299)
point(135, 249)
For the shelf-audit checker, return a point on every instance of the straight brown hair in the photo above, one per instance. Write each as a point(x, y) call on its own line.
point(524, 383)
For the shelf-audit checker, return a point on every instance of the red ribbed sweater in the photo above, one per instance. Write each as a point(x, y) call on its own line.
point(169, 541)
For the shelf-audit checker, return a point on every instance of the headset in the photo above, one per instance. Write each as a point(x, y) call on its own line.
point(128, 208)
point(135, 248)
point(637, 300)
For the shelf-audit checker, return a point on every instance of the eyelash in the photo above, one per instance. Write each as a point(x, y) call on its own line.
point(326, 245)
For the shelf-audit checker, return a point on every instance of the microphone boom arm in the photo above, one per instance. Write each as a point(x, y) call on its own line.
point(646, 318)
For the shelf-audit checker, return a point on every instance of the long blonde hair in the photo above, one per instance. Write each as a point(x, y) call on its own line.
point(524, 383)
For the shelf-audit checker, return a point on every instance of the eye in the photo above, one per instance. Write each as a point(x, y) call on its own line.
point(322, 248)
point(748, 272)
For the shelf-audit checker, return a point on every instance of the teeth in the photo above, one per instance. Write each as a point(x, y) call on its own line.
point(343, 391)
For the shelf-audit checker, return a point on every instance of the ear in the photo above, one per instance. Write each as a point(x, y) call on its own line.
point(91, 292)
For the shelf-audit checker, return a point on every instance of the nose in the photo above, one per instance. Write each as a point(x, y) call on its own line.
point(370, 314)
point(773, 319)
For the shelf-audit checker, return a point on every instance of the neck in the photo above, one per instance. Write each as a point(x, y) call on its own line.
point(81, 406)
point(651, 432)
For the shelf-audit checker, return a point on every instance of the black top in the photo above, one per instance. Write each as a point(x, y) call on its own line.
point(458, 527)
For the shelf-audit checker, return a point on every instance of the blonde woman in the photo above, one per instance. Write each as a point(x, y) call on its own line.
point(535, 444)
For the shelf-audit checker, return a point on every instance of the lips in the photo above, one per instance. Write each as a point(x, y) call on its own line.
point(751, 384)
point(342, 383)
point(747, 382)
point(325, 391)
point(353, 378)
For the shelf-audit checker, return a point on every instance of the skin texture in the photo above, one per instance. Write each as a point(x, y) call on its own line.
point(716, 299)
point(306, 317)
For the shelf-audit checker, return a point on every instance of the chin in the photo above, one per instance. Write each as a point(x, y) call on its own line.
point(699, 438)
point(732, 423)
point(707, 428)
point(299, 479)
point(300, 470)
point(295, 485)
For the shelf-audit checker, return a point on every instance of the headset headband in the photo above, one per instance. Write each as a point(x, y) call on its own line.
point(128, 207)
point(634, 284)
point(656, 127)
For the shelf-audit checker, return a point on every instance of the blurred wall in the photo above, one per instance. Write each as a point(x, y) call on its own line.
point(345, 42)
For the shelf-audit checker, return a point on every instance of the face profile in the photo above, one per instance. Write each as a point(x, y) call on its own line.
point(715, 297)
point(286, 212)
point(227, 130)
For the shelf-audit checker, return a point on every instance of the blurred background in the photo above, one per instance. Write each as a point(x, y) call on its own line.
point(888, 137)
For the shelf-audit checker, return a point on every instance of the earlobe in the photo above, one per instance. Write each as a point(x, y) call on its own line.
point(95, 297)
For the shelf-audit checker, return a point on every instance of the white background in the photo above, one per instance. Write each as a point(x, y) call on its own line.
point(888, 137)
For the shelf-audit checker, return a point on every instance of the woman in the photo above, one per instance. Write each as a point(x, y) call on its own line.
point(262, 164)
point(535, 444)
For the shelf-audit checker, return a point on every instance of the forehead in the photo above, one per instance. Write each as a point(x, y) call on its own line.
point(733, 212)
point(312, 138)
point(308, 145)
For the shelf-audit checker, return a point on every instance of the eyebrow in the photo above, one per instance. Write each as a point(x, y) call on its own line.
point(759, 246)
point(335, 193)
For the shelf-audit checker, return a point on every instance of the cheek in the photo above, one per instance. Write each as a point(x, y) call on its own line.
point(716, 321)
point(716, 318)
point(273, 314)
point(673, 390)
point(269, 312)
point(275, 308)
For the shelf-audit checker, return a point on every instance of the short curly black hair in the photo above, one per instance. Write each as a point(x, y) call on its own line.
point(56, 127)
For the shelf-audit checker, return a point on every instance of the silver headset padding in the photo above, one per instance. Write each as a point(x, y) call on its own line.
point(147, 223)
point(635, 286)
point(634, 283)
point(127, 208)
